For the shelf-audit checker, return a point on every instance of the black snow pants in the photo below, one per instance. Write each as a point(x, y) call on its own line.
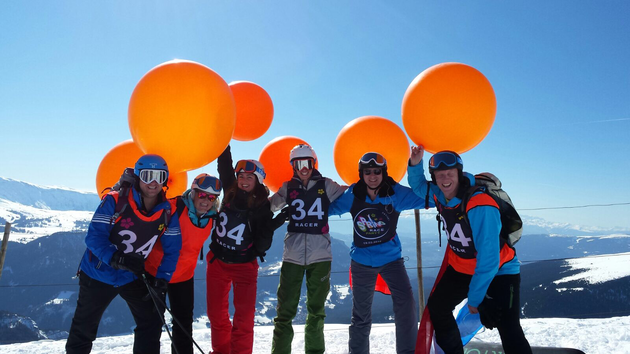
point(452, 289)
point(95, 296)
point(181, 297)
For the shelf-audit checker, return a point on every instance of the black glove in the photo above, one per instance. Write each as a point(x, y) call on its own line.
point(131, 262)
point(128, 178)
point(160, 286)
point(282, 216)
point(490, 312)
point(284, 213)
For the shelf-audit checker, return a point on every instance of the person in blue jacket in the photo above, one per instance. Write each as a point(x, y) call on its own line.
point(375, 203)
point(481, 265)
point(122, 233)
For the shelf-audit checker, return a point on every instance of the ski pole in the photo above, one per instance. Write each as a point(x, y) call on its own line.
point(154, 296)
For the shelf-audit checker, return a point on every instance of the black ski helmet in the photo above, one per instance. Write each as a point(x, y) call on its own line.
point(372, 160)
point(445, 160)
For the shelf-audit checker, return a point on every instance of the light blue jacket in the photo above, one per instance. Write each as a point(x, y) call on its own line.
point(383, 253)
point(485, 223)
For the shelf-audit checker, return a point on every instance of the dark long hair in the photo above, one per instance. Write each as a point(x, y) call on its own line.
point(241, 199)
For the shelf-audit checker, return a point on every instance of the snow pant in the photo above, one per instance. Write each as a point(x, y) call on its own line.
point(236, 337)
point(95, 296)
point(405, 312)
point(181, 297)
point(452, 289)
point(289, 291)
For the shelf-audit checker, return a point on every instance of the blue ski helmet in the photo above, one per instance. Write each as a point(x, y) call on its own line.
point(151, 162)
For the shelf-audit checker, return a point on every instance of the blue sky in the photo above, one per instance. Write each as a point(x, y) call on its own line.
point(559, 70)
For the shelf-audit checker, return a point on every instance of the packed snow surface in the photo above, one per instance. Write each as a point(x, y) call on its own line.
point(593, 336)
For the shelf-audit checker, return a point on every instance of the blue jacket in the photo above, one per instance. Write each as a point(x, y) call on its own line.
point(97, 257)
point(485, 223)
point(380, 254)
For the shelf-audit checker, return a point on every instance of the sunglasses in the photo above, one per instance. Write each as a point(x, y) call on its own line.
point(201, 195)
point(376, 172)
point(378, 159)
point(148, 176)
point(208, 183)
point(303, 163)
point(444, 158)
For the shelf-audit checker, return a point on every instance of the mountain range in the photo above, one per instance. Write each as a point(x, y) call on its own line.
point(48, 226)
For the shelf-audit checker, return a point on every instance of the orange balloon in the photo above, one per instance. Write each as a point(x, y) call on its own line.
point(184, 112)
point(370, 134)
point(177, 184)
point(254, 110)
point(114, 163)
point(275, 158)
point(449, 106)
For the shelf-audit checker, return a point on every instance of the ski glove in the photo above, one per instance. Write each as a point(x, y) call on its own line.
point(490, 312)
point(131, 262)
point(279, 219)
point(160, 286)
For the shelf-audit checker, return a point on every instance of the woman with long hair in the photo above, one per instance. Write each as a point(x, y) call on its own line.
point(243, 232)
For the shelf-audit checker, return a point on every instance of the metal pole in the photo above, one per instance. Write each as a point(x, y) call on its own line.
point(5, 242)
point(416, 213)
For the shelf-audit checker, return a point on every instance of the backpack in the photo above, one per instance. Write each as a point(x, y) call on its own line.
point(511, 223)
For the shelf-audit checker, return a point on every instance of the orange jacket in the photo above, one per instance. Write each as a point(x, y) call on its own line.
point(193, 238)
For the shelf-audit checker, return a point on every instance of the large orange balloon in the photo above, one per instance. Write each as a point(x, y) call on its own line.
point(275, 158)
point(184, 112)
point(254, 110)
point(114, 163)
point(177, 184)
point(449, 106)
point(370, 134)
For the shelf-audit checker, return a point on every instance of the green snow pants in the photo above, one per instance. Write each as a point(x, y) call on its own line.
point(289, 290)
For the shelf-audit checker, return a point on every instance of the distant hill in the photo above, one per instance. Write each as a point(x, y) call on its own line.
point(47, 242)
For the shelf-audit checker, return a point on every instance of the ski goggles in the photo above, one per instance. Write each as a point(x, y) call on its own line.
point(300, 164)
point(375, 171)
point(148, 176)
point(374, 157)
point(201, 195)
point(208, 184)
point(248, 167)
point(444, 159)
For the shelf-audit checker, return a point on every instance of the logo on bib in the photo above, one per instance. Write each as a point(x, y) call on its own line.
point(370, 224)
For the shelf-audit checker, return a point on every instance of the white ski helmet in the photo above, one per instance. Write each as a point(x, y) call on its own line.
point(251, 166)
point(303, 151)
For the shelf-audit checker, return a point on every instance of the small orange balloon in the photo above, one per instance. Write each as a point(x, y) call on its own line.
point(275, 158)
point(449, 106)
point(177, 184)
point(184, 112)
point(114, 163)
point(254, 110)
point(370, 134)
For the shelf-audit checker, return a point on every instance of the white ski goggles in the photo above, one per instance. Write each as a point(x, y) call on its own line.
point(148, 176)
point(303, 163)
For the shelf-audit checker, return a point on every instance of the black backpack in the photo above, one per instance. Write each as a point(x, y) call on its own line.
point(512, 225)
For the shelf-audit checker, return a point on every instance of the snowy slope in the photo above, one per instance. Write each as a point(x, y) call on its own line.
point(593, 336)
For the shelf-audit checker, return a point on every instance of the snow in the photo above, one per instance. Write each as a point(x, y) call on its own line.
point(30, 223)
point(598, 269)
point(592, 336)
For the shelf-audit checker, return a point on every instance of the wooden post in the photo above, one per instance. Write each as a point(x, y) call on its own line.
point(5, 241)
point(416, 213)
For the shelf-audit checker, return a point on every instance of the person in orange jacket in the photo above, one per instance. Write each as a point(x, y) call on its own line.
point(196, 209)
